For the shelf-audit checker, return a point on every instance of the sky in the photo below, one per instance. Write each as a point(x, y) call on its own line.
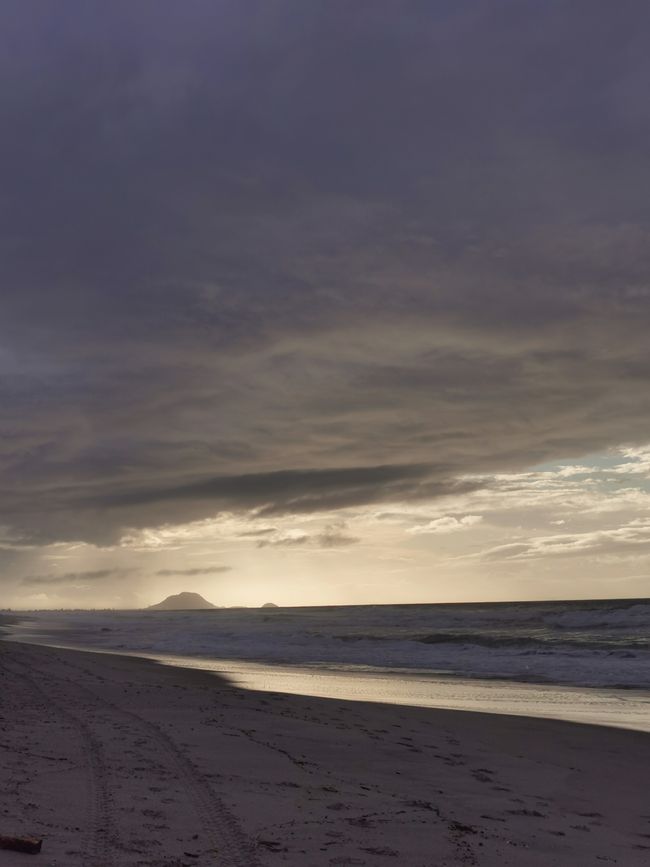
point(324, 303)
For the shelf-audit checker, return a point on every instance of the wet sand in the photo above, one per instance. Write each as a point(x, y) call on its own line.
point(121, 761)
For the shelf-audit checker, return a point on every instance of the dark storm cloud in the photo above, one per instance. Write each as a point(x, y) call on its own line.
point(244, 239)
point(207, 570)
point(285, 490)
point(276, 493)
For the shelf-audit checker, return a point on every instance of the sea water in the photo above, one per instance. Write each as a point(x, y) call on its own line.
point(586, 660)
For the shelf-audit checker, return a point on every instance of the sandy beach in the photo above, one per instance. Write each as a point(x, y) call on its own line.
point(116, 760)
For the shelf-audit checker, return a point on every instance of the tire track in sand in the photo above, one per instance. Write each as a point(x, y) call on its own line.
point(100, 835)
point(230, 846)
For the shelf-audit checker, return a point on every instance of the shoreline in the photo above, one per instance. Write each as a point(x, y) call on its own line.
point(110, 755)
point(619, 707)
point(584, 649)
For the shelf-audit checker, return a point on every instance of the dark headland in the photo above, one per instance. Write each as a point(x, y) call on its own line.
point(182, 602)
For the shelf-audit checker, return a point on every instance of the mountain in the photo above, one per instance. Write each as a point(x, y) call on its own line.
point(182, 602)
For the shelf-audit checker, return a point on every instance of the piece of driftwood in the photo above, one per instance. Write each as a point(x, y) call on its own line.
point(21, 844)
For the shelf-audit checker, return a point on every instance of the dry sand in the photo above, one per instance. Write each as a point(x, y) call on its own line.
point(120, 761)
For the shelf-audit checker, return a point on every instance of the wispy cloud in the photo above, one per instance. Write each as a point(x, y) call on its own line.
point(74, 577)
point(446, 524)
point(261, 531)
point(332, 536)
point(199, 570)
point(632, 539)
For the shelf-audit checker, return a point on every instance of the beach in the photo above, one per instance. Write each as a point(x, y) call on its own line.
point(116, 760)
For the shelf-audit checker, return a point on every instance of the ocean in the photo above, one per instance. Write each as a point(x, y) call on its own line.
point(584, 660)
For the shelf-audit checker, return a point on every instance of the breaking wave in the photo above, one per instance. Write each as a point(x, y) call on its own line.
point(593, 643)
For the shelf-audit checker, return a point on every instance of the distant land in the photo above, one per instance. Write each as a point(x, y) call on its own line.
point(269, 605)
point(182, 602)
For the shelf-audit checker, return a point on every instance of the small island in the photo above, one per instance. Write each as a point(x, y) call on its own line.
point(269, 605)
point(182, 602)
